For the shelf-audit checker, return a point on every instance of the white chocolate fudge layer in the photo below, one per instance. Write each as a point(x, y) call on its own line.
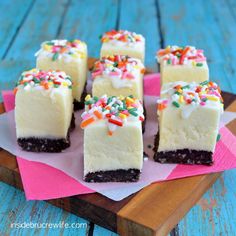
point(67, 56)
point(186, 64)
point(118, 75)
point(123, 42)
point(44, 105)
point(189, 115)
point(112, 134)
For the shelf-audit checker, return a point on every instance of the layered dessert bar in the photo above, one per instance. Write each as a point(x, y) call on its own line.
point(189, 116)
point(118, 75)
point(186, 64)
point(44, 111)
point(113, 144)
point(123, 42)
point(70, 57)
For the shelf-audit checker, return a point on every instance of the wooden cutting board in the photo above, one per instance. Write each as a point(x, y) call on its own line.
point(154, 210)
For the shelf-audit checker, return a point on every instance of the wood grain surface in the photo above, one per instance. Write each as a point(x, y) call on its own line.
point(205, 24)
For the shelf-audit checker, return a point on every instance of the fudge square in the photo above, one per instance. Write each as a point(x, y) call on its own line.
point(68, 56)
point(113, 144)
point(118, 75)
point(182, 64)
point(43, 110)
point(123, 42)
point(189, 115)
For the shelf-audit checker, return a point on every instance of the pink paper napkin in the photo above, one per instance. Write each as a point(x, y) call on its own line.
point(43, 182)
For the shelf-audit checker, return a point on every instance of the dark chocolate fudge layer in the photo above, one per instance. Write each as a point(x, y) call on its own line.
point(33, 144)
point(130, 175)
point(183, 156)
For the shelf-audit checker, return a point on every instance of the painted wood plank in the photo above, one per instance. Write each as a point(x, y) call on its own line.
point(87, 21)
point(100, 231)
point(222, 15)
point(194, 23)
point(41, 24)
point(15, 209)
point(214, 214)
point(10, 72)
point(142, 18)
point(9, 23)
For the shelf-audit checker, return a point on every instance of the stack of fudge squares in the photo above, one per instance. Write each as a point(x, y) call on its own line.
point(189, 108)
point(113, 115)
point(48, 95)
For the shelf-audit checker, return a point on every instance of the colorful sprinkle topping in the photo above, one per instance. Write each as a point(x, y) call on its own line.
point(188, 96)
point(116, 111)
point(174, 55)
point(122, 36)
point(46, 80)
point(123, 67)
point(58, 48)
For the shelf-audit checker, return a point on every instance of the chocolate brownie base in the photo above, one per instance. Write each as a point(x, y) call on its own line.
point(130, 175)
point(43, 144)
point(182, 156)
point(80, 105)
point(33, 144)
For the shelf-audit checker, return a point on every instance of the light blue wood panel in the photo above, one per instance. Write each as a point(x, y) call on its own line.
point(13, 14)
point(10, 72)
point(215, 213)
point(42, 23)
point(199, 23)
point(87, 20)
point(224, 19)
point(15, 209)
point(142, 17)
point(100, 231)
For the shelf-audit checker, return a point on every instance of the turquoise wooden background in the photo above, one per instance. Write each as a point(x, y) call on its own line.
point(207, 24)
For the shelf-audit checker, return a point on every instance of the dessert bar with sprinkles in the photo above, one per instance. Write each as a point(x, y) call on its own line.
point(113, 145)
point(44, 110)
point(182, 64)
point(123, 42)
point(189, 115)
point(118, 75)
point(68, 56)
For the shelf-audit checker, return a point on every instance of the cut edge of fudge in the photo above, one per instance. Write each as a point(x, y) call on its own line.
point(206, 94)
point(123, 42)
point(120, 175)
point(183, 156)
point(39, 81)
point(109, 115)
point(61, 52)
point(37, 144)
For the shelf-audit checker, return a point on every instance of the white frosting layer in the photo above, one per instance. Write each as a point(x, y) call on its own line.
point(43, 113)
point(122, 150)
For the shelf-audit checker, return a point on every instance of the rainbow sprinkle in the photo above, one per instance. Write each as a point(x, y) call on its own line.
point(181, 94)
point(58, 48)
point(122, 36)
point(123, 67)
point(36, 78)
point(115, 110)
point(174, 55)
